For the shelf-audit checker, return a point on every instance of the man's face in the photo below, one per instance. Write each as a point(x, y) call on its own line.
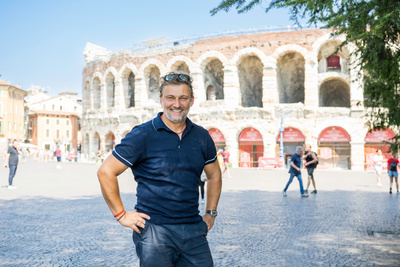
point(176, 102)
point(299, 152)
point(308, 147)
point(15, 144)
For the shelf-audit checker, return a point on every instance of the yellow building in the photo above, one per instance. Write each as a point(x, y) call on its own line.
point(12, 114)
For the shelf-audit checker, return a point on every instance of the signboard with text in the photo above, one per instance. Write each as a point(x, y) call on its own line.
point(379, 136)
point(264, 162)
point(217, 136)
point(334, 134)
point(291, 135)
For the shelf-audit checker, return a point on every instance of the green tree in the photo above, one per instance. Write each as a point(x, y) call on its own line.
point(373, 26)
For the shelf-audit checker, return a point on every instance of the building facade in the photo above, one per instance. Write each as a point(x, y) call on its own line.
point(246, 88)
point(12, 114)
point(55, 121)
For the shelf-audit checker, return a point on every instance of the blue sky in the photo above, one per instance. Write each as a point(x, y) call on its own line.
point(42, 41)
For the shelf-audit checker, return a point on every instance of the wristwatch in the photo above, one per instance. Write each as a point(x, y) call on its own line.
point(213, 213)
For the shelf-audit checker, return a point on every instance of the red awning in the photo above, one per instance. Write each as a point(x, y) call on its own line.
point(379, 136)
point(291, 135)
point(334, 134)
point(250, 135)
point(217, 136)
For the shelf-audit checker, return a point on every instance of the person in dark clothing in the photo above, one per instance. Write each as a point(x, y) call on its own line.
point(311, 164)
point(12, 162)
point(295, 163)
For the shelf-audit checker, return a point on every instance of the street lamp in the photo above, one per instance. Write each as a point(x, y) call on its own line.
point(281, 130)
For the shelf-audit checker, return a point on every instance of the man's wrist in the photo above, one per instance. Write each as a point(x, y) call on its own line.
point(213, 213)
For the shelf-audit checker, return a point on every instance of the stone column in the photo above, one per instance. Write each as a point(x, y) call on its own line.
point(90, 146)
point(311, 95)
point(356, 93)
point(141, 96)
point(103, 97)
point(198, 86)
point(119, 100)
point(270, 85)
point(231, 87)
point(357, 156)
point(233, 147)
point(103, 142)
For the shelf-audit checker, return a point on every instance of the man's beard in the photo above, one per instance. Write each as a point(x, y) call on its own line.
point(169, 116)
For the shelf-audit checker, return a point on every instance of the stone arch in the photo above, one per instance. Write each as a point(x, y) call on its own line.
point(284, 49)
point(250, 70)
point(109, 141)
point(325, 47)
point(128, 84)
point(291, 77)
point(213, 77)
point(96, 142)
point(86, 145)
point(152, 62)
point(208, 56)
point(180, 63)
point(334, 92)
point(110, 89)
point(152, 79)
point(96, 92)
point(249, 51)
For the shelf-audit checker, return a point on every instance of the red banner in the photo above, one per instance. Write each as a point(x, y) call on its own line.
point(244, 160)
point(250, 135)
point(378, 136)
point(291, 135)
point(217, 136)
point(334, 134)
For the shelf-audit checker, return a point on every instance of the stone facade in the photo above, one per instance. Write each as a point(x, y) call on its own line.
point(240, 82)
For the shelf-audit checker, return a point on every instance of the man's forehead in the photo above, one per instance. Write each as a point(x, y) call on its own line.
point(177, 89)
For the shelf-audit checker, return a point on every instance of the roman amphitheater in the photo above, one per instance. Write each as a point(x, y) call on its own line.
point(248, 88)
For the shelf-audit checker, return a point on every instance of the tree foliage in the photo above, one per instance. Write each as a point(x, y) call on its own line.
point(373, 26)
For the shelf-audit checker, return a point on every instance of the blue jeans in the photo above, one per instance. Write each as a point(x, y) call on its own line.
point(13, 170)
point(292, 175)
point(171, 245)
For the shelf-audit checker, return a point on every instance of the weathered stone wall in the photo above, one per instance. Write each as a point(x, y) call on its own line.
point(256, 79)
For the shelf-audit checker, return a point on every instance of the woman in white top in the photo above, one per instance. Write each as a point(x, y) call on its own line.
point(378, 161)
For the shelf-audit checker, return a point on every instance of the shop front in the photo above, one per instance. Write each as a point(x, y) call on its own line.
point(251, 147)
point(218, 138)
point(334, 148)
point(292, 138)
point(374, 140)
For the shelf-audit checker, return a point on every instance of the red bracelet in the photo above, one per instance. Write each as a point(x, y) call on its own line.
point(121, 216)
point(118, 214)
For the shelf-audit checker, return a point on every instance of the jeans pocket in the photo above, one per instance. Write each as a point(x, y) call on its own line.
point(205, 226)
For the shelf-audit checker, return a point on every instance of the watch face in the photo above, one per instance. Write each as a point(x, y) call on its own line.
point(213, 213)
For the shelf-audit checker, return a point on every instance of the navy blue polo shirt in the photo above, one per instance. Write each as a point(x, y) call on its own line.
point(167, 169)
point(297, 161)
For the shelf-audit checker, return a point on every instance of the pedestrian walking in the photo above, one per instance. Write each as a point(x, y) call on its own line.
point(58, 156)
point(12, 162)
point(167, 156)
point(225, 155)
point(295, 164)
point(393, 162)
point(378, 163)
point(311, 163)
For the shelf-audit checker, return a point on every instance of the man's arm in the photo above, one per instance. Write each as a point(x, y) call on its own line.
point(214, 187)
point(107, 174)
point(7, 159)
point(294, 166)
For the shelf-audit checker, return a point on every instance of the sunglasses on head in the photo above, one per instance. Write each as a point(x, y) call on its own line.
point(181, 77)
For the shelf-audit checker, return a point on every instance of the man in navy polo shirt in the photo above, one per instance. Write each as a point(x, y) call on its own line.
point(167, 156)
point(295, 163)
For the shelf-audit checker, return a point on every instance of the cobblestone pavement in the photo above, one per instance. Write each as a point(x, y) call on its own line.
point(57, 217)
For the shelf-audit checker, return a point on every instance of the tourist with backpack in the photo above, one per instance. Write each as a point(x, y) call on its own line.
point(311, 163)
point(393, 162)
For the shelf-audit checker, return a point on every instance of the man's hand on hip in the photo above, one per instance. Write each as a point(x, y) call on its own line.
point(209, 220)
point(134, 220)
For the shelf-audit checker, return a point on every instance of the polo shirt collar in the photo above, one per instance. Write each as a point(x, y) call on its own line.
point(159, 124)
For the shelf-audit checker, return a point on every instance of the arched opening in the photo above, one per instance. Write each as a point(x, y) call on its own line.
point(181, 66)
point(250, 79)
point(329, 59)
point(152, 78)
point(96, 93)
point(218, 138)
point(128, 85)
point(251, 148)
point(214, 78)
point(374, 140)
point(334, 148)
point(86, 146)
point(110, 90)
point(109, 141)
point(292, 138)
point(334, 93)
point(291, 78)
point(96, 143)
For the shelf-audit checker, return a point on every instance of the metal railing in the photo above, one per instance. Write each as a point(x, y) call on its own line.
point(161, 43)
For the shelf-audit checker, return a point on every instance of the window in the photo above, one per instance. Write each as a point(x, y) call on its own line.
point(47, 132)
point(1, 127)
point(1, 110)
point(58, 134)
point(15, 126)
point(67, 122)
point(60, 107)
point(9, 126)
point(47, 121)
point(58, 122)
point(333, 63)
point(22, 111)
point(20, 127)
point(9, 93)
point(9, 107)
point(53, 107)
point(67, 134)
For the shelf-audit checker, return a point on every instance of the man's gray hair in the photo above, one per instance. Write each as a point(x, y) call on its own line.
point(298, 148)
